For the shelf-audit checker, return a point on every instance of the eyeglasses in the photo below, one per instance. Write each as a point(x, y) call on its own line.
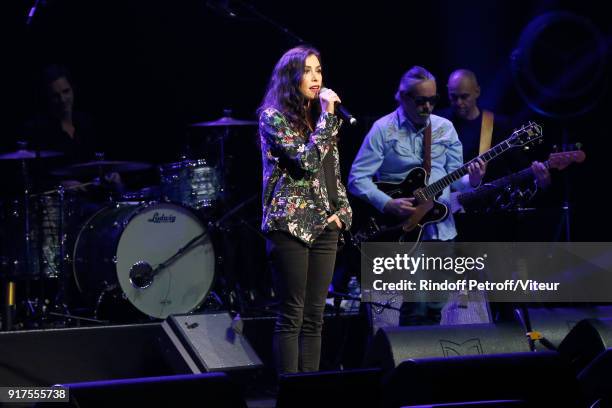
point(422, 100)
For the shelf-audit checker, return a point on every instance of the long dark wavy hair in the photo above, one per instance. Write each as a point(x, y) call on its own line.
point(283, 92)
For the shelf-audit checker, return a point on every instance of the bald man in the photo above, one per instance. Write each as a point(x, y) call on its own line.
point(463, 92)
point(468, 118)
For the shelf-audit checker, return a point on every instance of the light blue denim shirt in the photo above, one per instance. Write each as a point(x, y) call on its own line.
point(392, 148)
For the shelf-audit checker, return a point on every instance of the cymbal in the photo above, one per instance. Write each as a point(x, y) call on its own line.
point(95, 168)
point(29, 154)
point(225, 121)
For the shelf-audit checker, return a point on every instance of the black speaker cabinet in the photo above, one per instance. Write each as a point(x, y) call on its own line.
point(193, 390)
point(47, 357)
point(393, 345)
point(542, 379)
point(596, 379)
point(180, 345)
point(588, 339)
point(556, 322)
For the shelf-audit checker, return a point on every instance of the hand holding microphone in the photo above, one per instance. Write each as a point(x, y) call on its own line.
point(330, 102)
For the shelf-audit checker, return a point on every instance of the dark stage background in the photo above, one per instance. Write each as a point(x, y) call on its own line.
point(146, 69)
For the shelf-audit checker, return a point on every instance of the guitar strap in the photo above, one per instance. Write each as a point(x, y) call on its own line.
point(486, 131)
point(427, 150)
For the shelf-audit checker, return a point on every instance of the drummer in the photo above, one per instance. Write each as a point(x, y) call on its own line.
point(62, 128)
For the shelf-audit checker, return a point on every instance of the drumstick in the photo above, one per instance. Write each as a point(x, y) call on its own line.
point(56, 191)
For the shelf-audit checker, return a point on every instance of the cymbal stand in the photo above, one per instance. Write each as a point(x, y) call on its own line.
point(60, 298)
point(231, 282)
point(26, 263)
point(26, 215)
point(223, 138)
point(39, 313)
point(21, 263)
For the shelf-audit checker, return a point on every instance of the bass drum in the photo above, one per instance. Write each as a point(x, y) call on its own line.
point(159, 254)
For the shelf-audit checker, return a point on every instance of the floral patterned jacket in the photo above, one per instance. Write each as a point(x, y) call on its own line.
point(294, 199)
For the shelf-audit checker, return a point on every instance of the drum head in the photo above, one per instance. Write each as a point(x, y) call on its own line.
point(153, 236)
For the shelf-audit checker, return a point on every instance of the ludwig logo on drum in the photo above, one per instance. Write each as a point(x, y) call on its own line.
point(163, 218)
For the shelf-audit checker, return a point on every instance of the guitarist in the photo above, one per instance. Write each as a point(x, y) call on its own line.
point(393, 146)
point(479, 129)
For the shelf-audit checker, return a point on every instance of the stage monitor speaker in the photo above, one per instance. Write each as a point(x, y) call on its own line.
point(193, 390)
point(588, 339)
point(556, 322)
point(47, 357)
point(391, 346)
point(351, 388)
point(213, 341)
point(540, 378)
point(596, 379)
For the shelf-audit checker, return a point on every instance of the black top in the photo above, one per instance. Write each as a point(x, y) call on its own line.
point(328, 171)
point(469, 135)
point(46, 133)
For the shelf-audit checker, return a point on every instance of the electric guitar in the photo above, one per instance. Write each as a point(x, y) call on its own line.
point(428, 210)
point(489, 194)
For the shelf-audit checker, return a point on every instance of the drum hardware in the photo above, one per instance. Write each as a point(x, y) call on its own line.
point(103, 172)
point(60, 298)
point(235, 294)
point(99, 168)
point(9, 306)
point(54, 310)
point(233, 211)
point(225, 123)
point(25, 254)
point(23, 154)
point(36, 214)
point(141, 275)
point(62, 189)
point(68, 317)
point(51, 240)
point(145, 194)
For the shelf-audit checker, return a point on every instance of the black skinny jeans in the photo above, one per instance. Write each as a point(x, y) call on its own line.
point(302, 276)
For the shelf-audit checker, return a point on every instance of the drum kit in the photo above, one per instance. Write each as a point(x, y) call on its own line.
point(149, 250)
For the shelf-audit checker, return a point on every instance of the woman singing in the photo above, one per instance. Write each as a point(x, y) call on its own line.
point(304, 202)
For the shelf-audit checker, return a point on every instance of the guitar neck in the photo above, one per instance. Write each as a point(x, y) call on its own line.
point(434, 188)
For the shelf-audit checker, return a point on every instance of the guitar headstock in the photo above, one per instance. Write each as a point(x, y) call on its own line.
point(527, 135)
point(560, 160)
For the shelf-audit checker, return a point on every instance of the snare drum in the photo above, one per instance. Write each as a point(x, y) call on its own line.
point(190, 182)
point(159, 254)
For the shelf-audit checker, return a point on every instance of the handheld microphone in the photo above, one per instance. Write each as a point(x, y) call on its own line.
point(32, 13)
point(343, 112)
